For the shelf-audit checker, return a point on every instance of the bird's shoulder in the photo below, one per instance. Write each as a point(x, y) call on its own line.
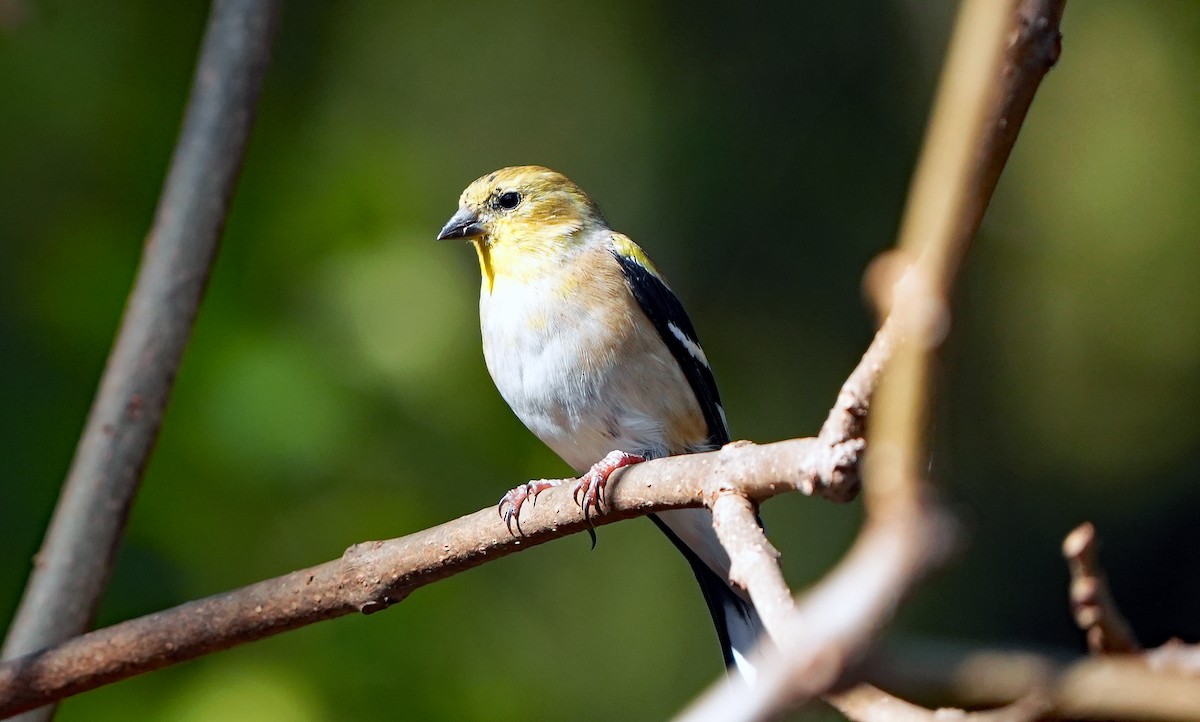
point(666, 313)
point(628, 252)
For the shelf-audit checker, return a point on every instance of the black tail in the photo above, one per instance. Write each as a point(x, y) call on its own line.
point(737, 623)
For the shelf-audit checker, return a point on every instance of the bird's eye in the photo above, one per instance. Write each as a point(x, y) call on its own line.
point(508, 200)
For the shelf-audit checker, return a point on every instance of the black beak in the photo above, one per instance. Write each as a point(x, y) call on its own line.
point(464, 224)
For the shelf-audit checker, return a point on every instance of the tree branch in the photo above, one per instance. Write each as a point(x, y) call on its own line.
point(753, 560)
point(1109, 687)
point(1092, 603)
point(996, 61)
point(1175, 656)
point(1160, 684)
point(372, 576)
point(73, 566)
point(866, 703)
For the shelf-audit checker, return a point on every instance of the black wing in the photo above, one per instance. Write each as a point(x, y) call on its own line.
point(666, 313)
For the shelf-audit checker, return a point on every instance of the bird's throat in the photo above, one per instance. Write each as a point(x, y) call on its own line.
point(484, 251)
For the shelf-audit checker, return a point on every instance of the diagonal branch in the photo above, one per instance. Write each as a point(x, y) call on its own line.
point(372, 576)
point(997, 58)
point(71, 570)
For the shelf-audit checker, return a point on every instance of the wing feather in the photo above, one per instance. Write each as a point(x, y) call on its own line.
point(671, 321)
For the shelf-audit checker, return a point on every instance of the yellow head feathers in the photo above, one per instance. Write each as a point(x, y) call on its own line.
point(521, 217)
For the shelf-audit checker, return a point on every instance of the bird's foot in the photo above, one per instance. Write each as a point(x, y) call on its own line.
point(511, 503)
point(589, 489)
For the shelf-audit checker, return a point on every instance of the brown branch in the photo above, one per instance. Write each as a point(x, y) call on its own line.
point(1175, 656)
point(997, 59)
point(71, 570)
point(1092, 603)
point(846, 422)
point(1160, 684)
point(1111, 687)
point(837, 451)
point(847, 419)
point(374, 575)
point(753, 561)
point(866, 703)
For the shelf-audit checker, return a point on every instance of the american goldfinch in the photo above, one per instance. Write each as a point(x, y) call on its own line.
point(595, 354)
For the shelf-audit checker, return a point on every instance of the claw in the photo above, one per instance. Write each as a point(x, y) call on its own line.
point(589, 489)
point(588, 492)
point(516, 498)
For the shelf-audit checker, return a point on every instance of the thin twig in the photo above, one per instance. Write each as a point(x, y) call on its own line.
point(846, 422)
point(1092, 603)
point(72, 568)
point(865, 703)
point(1108, 687)
point(847, 419)
point(753, 560)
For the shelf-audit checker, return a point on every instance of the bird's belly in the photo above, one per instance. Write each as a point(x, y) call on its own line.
point(557, 370)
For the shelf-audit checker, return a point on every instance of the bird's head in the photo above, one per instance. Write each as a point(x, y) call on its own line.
point(521, 216)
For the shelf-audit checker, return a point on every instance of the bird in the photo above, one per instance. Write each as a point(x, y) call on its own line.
point(596, 355)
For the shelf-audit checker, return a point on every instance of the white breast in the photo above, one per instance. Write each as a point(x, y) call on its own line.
point(555, 363)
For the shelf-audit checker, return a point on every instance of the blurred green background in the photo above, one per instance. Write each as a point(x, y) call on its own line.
point(334, 389)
